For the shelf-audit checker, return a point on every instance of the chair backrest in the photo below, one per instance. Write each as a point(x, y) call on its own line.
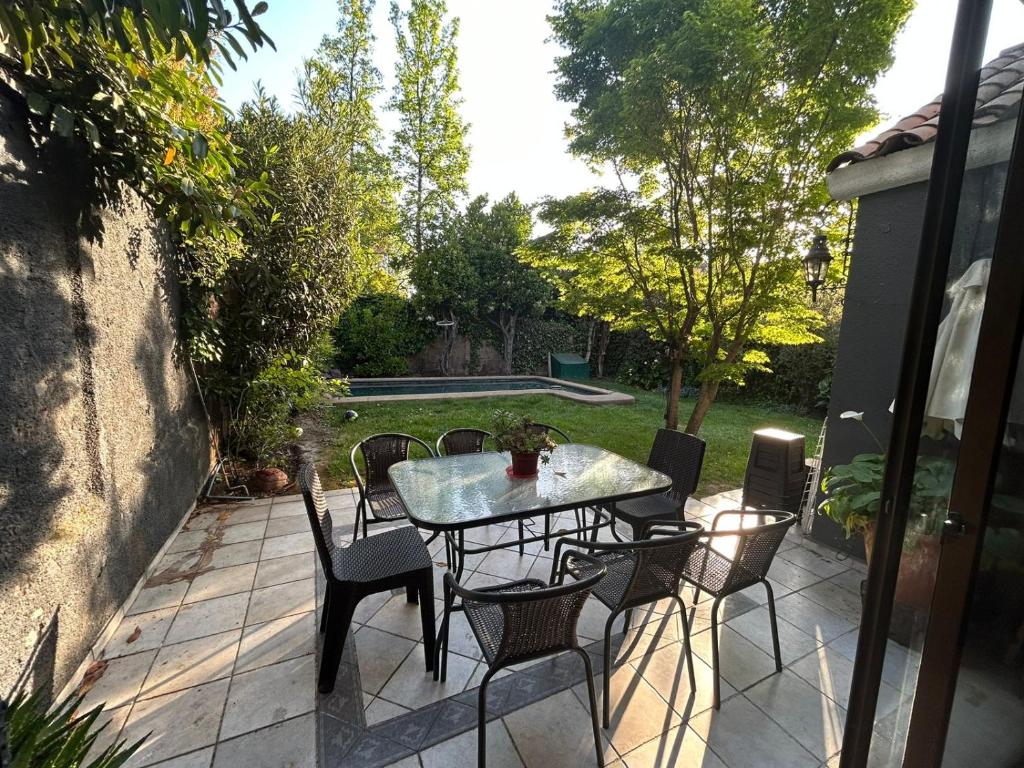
point(319, 516)
point(756, 546)
point(680, 456)
point(659, 563)
point(455, 442)
point(548, 428)
point(380, 453)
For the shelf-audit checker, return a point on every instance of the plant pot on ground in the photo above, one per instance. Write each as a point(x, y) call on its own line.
point(527, 442)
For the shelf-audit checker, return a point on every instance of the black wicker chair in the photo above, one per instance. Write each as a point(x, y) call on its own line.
point(377, 497)
point(720, 575)
point(455, 442)
point(639, 572)
point(380, 563)
point(521, 621)
point(680, 456)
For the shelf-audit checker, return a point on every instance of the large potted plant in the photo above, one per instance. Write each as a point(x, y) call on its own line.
point(854, 501)
point(527, 442)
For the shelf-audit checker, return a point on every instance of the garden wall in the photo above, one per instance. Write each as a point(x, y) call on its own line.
point(104, 444)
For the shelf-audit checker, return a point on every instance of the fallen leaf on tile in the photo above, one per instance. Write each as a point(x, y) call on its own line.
point(134, 635)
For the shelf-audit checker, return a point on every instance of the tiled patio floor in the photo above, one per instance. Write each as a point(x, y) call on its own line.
point(217, 658)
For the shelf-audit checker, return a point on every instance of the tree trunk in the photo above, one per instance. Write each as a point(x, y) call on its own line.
point(450, 334)
point(602, 346)
point(705, 398)
point(591, 326)
point(675, 386)
point(508, 337)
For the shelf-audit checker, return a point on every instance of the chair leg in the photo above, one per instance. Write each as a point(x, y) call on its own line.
point(441, 650)
point(425, 588)
point(593, 703)
point(686, 641)
point(360, 511)
point(325, 609)
point(714, 651)
point(481, 720)
point(522, 535)
point(411, 595)
point(775, 625)
point(606, 705)
point(547, 532)
point(338, 621)
point(366, 510)
point(627, 621)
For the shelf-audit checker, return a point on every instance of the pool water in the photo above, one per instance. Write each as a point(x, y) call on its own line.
point(431, 386)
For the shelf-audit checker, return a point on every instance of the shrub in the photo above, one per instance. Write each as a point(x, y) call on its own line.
point(376, 335)
point(535, 337)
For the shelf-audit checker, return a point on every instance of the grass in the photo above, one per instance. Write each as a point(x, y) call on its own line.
point(625, 429)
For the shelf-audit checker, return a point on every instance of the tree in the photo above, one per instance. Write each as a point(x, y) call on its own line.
point(336, 93)
point(724, 112)
point(429, 151)
point(508, 288)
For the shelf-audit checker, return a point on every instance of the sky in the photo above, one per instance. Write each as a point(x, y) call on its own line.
point(517, 126)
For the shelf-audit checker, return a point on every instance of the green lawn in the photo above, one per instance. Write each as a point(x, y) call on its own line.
point(625, 429)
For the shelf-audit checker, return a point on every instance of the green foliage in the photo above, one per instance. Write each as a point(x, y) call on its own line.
point(724, 112)
point(799, 377)
point(59, 737)
point(537, 336)
point(377, 334)
point(429, 150)
point(517, 434)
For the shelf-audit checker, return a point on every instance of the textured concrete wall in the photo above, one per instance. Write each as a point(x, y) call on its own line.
point(104, 445)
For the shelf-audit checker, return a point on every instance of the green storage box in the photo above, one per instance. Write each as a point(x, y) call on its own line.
point(566, 365)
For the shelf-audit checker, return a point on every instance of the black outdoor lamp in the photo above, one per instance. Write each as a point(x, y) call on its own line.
point(816, 264)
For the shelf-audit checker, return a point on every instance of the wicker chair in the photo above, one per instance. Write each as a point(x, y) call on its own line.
point(680, 456)
point(713, 571)
point(639, 572)
point(377, 497)
point(521, 621)
point(455, 442)
point(380, 563)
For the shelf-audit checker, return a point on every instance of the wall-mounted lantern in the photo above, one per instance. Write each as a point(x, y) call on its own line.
point(816, 265)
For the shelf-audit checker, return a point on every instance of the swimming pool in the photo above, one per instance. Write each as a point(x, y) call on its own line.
point(440, 388)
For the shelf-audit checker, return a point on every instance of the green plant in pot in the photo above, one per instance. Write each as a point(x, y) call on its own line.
point(855, 493)
point(527, 442)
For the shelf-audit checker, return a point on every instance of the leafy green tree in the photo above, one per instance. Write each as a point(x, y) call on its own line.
point(336, 93)
point(722, 114)
point(509, 289)
point(377, 334)
point(429, 149)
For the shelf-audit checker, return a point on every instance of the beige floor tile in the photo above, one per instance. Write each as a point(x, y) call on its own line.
point(201, 758)
point(680, 747)
point(282, 526)
point(292, 544)
point(381, 710)
point(178, 723)
point(287, 508)
point(461, 751)
point(274, 641)
point(142, 632)
point(281, 600)
point(245, 515)
point(234, 534)
point(400, 617)
point(744, 737)
point(109, 723)
point(291, 744)
point(191, 663)
point(832, 673)
point(269, 695)
point(379, 654)
point(236, 554)
point(208, 618)
point(221, 582)
point(741, 663)
point(835, 598)
point(186, 541)
point(120, 682)
point(811, 618)
point(804, 713)
point(156, 598)
point(506, 564)
point(756, 627)
point(413, 687)
point(283, 569)
point(824, 565)
point(638, 713)
point(665, 670)
point(791, 575)
point(555, 732)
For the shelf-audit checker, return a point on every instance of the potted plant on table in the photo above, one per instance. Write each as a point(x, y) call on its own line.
point(524, 440)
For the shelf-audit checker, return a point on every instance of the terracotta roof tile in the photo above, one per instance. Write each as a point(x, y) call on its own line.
point(999, 94)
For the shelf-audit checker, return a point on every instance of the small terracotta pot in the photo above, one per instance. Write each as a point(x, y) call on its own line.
point(524, 464)
point(268, 480)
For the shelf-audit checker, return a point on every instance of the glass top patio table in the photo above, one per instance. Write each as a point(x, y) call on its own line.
point(451, 493)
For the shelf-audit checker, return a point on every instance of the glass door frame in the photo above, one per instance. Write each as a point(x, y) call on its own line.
point(945, 182)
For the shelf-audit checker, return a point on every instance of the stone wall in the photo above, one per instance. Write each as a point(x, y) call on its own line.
point(104, 444)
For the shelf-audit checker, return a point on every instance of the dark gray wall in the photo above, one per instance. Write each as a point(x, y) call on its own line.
point(104, 445)
point(875, 311)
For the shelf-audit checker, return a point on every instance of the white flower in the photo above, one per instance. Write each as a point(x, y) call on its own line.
point(855, 415)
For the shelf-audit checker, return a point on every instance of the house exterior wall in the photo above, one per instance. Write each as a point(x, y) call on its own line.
point(104, 444)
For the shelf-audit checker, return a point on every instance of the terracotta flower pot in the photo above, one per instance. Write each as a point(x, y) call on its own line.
point(268, 480)
point(524, 464)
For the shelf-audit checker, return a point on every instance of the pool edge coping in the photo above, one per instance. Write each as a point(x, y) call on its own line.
point(600, 396)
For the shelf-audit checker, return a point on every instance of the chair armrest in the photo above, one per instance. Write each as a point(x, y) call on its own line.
point(355, 470)
point(778, 515)
point(660, 527)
